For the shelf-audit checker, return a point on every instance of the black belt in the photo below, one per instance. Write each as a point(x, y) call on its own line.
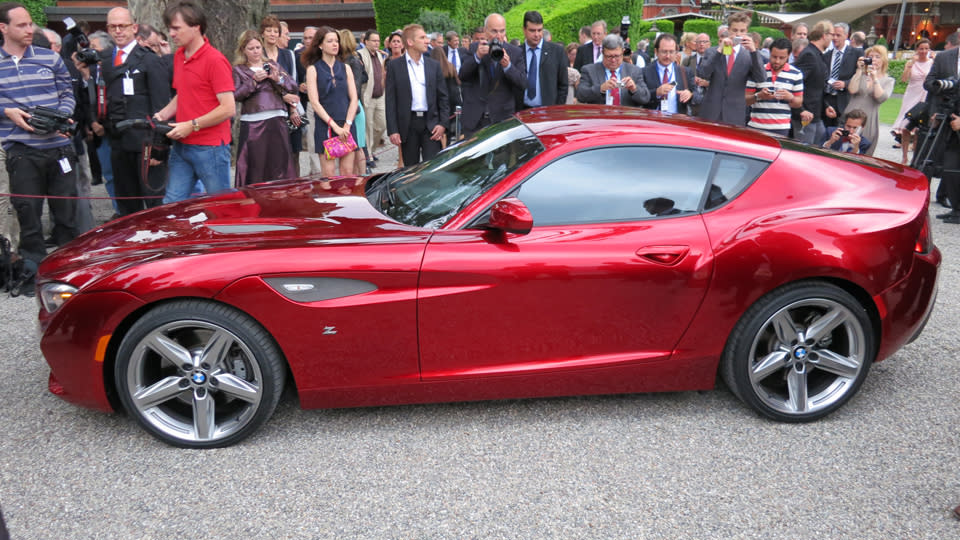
point(418, 113)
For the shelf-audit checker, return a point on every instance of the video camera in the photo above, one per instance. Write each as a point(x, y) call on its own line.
point(934, 125)
point(85, 54)
point(158, 130)
point(45, 120)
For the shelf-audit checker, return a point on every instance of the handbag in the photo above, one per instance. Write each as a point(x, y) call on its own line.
point(335, 148)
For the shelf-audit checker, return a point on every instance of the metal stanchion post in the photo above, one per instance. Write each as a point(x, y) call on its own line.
point(456, 119)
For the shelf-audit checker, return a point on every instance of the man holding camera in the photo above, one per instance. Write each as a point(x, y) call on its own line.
point(726, 70)
point(672, 87)
point(612, 82)
point(41, 162)
point(137, 87)
point(847, 138)
point(771, 100)
point(492, 75)
point(945, 69)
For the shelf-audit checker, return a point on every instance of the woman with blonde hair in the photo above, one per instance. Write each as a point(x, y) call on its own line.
point(333, 96)
point(870, 87)
point(259, 86)
point(349, 56)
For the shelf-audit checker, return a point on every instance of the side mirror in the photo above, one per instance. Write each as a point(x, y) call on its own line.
point(511, 215)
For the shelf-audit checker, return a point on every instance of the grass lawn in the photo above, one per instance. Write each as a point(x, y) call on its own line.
point(889, 110)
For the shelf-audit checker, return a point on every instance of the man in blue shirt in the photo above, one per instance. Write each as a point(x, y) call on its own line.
point(40, 164)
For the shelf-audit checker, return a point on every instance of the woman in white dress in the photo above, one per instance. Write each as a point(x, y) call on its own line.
point(913, 74)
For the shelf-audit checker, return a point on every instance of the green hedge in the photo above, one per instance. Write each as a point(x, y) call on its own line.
point(895, 70)
point(471, 13)
point(703, 26)
point(391, 15)
point(765, 32)
point(35, 7)
point(565, 17)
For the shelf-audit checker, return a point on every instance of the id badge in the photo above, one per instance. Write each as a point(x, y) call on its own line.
point(65, 165)
point(127, 86)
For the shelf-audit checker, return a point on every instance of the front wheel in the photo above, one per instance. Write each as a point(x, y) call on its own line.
point(197, 374)
point(800, 352)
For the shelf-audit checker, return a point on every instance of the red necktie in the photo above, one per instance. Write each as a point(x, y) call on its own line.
point(730, 60)
point(615, 91)
point(118, 59)
point(666, 75)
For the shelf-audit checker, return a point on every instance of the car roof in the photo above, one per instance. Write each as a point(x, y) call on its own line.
point(602, 124)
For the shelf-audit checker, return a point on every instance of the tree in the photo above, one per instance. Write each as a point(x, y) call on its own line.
point(226, 19)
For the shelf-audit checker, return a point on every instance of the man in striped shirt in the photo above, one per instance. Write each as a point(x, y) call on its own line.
point(39, 164)
point(770, 101)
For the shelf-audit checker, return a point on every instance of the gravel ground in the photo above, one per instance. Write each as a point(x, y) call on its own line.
point(680, 465)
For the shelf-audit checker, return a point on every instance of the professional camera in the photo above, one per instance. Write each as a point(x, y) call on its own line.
point(85, 54)
point(45, 120)
point(496, 50)
point(625, 36)
point(158, 146)
point(942, 86)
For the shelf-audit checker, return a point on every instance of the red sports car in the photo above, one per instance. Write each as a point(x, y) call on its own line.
point(565, 251)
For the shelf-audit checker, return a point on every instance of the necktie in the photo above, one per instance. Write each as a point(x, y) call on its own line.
point(666, 75)
point(835, 70)
point(377, 75)
point(615, 91)
point(532, 75)
point(118, 59)
point(596, 53)
point(730, 60)
point(455, 58)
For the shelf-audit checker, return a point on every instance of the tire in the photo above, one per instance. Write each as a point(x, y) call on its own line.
point(197, 374)
point(800, 352)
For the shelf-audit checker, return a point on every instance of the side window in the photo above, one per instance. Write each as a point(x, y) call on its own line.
point(732, 175)
point(617, 184)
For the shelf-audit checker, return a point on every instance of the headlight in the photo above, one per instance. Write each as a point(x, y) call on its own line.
point(53, 295)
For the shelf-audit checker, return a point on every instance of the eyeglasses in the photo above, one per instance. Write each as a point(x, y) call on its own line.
point(112, 27)
point(612, 56)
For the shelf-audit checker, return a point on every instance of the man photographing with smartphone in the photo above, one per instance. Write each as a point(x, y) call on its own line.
point(781, 89)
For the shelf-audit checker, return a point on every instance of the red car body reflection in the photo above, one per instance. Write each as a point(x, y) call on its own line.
point(466, 313)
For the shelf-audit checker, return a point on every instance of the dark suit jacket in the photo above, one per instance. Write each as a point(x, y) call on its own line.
point(585, 55)
point(151, 92)
point(399, 97)
point(944, 67)
point(592, 77)
point(461, 51)
point(724, 98)
point(848, 67)
point(552, 73)
point(496, 95)
point(815, 74)
point(651, 78)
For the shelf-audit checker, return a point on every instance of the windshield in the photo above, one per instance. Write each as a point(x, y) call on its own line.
point(432, 192)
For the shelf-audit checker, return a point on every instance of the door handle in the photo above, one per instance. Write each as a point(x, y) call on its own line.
point(664, 255)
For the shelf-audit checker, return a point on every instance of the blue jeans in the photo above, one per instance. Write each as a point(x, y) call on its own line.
point(813, 133)
point(106, 170)
point(191, 162)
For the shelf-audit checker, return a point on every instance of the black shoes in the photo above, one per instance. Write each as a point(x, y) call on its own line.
point(950, 217)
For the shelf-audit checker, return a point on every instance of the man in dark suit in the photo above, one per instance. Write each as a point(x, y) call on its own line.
point(727, 69)
point(810, 63)
point(672, 87)
point(490, 86)
point(590, 52)
point(453, 51)
point(417, 104)
point(138, 86)
point(945, 67)
point(693, 61)
point(613, 81)
point(547, 78)
point(841, 64)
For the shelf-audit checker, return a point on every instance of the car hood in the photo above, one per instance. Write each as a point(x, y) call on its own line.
point(283, 214)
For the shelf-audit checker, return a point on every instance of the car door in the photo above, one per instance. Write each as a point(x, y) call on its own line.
point(614, 269)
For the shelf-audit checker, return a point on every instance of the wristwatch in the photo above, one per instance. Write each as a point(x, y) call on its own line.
point(195, 124)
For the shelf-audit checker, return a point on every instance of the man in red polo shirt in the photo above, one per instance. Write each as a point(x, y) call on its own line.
point(203, 106)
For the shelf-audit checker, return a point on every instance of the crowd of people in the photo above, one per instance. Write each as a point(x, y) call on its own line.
point(157, 125)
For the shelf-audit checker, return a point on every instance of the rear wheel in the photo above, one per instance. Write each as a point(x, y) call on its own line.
point(800, 352)
point(198, 374)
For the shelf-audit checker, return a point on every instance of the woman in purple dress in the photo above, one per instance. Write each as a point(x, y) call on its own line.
point(263, 151)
